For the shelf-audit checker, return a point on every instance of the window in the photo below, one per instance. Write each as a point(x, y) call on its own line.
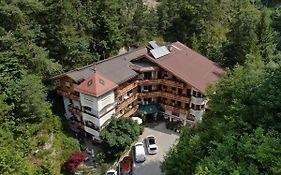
point(194, 93)
point(88, 99)
point(179, 91)
point(90, 82)
point(87, 108)
point(101, 81)
point(191, 117)
point(192, 106)
point(175, 113)
point(129, 93)
point(188, 92)
point(105, 98)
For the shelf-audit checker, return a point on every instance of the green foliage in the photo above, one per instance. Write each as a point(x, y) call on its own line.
point(118, 135)
point(240, 134)
point(225, 31)
point(12, 162)
point(244, 39)
point(29, 100)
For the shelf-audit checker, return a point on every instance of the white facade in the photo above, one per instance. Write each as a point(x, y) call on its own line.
point(198, 100)
point(97, 111)
point(198, 114)
point(98, 105)
point(67, 113)
point(76, 104)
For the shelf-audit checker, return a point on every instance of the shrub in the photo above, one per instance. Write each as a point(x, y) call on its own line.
point(72, 163)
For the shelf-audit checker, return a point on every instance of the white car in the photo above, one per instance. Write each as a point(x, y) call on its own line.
point(111, 172)
point(139, 152)
point(151, 145)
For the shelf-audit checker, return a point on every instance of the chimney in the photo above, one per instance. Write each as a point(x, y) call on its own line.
point(94, 68)
point(170, 47)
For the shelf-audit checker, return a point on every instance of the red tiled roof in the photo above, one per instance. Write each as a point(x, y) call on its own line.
point(96, 85)
point(190, 66)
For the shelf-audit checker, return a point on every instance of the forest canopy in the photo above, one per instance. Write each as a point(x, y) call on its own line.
point(41, 38)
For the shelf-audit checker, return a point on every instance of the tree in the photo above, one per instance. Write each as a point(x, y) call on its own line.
point(265, 36)
point(243, 38)
point(118, 135)
point(240, 132)
point(28, 95)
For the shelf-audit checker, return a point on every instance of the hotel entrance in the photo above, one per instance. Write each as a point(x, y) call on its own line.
point(149, 112)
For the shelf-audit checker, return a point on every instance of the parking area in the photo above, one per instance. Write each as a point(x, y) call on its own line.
point(165, 139)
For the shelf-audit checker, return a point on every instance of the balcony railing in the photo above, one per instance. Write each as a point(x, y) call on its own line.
point(77, 124)
point(198, 100)
point(92, 126)
point(166, 82)
point(197, 113)
point(150, 94)
point(126, 89)
point(149, 82)
point(74, 110)
point(172, 83)
point(126, 102)
point(175, 97)
point(176, 109)
point(68, 95)
point(131, 111)
point(91, 131)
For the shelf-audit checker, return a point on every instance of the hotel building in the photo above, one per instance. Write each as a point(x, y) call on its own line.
point(167, 80)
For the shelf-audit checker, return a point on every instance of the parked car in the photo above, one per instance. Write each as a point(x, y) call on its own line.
point(111, 172)
point(151, 145)
point(126, 166)
point(139, 152)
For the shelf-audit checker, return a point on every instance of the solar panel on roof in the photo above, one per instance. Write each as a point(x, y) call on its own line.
point(159, 52)
point(153, 44)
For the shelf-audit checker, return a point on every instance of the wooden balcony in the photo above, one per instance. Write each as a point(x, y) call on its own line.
point(172, 83)
point(131, 111)
point(68, 94)
point(74, 110)
point(162, 82)
point(175, 97)
point(133, 85)
point(77, 124)
point(126, 89)
point(126, 102)
point(176, 109)
point(150, 94)
point(149, 82)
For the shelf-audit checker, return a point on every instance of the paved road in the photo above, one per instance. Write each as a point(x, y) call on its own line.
point(165, 139)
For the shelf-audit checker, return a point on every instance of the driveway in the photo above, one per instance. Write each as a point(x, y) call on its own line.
point(165, 139)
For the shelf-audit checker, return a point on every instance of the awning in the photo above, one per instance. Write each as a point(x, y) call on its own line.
point(149, 109)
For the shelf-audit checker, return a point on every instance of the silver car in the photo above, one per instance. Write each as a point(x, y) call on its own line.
point(151, 145)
